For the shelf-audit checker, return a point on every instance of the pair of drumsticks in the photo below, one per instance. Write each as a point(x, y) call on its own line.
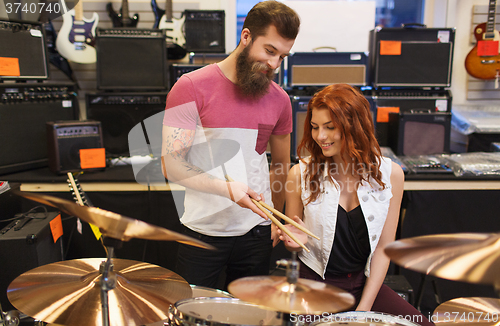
point(266, 208)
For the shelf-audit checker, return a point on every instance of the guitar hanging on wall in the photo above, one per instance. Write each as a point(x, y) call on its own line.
point(174, 29)
point(122, 19)
point(76, 39)
point(483, 61)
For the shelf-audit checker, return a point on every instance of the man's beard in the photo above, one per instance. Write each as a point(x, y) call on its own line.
point(250, 79)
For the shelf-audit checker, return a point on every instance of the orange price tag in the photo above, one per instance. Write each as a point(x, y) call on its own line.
point(487, 48)
point(9, 67)
point(383, 113)
point(91, 158)
point(56, 227)
point(390, 47)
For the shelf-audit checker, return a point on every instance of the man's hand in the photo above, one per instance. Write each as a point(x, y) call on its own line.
point(242, 195)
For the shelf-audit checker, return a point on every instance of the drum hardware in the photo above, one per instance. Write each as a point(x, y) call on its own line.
point(9, 318)
point(291, 294)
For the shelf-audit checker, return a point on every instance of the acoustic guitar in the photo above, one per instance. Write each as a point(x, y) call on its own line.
point(76, 38)
point(485, 65)
point(122, 19)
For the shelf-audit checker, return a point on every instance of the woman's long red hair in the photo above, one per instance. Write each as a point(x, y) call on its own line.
point(350, 113)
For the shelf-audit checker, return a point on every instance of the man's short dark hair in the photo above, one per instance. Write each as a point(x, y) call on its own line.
point(272, 12)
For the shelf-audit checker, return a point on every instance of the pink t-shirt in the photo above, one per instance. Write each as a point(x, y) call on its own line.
point(232, 133)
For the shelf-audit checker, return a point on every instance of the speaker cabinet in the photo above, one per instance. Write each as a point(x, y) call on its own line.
point(119, 113)
point(420, 133)
point(299, 109)
point(397, 100)
point(411, 57)
point(24, 249)
point(25, 56)
point(131, 59)
point(178, 69)
point(326, 68)
point(205, 31)
point(66, 138)
point(25, 108)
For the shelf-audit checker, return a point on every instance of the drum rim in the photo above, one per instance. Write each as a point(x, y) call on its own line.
point(180, 317)
point(194, 286)
point(388, 318)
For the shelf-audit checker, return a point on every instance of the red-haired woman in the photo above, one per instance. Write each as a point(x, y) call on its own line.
point(347, 194)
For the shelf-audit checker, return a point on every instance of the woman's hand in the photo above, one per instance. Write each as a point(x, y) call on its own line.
point(301, 236)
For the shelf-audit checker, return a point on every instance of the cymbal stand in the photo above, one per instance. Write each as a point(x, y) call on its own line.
point(10, 318)
point(108, 278)
point(292, 276)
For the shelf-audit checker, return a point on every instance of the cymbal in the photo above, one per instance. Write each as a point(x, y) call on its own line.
point(467, 257)
point(68, 292)
point(304, 297)
point(472, 311)
point(114, 225)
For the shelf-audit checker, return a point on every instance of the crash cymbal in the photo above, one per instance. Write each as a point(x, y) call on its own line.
point(68, 293)
point(304, 297)
point(473, 311)
point(467, 257)
point(114, 225)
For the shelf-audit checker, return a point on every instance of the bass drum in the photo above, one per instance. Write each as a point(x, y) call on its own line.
point(220, 312)
point(361, 318)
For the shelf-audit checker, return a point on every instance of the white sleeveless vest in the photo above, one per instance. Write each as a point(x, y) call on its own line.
point(320, 216)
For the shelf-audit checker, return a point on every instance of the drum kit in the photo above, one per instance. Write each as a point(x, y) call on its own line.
point(110, 291)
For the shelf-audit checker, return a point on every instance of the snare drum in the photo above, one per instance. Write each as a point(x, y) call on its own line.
point(362, 318)
point(201, 291)
point(220, 311)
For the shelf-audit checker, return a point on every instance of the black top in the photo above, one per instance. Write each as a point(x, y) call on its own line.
point(351, 247)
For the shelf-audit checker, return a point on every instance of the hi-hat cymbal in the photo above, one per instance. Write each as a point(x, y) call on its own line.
point(467, 257)
point(304, 297)
point(114, 225)
point(68, 293)
point(474, 311)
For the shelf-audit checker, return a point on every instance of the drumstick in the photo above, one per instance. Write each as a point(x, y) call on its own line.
point(287, 219)
point(274, 220)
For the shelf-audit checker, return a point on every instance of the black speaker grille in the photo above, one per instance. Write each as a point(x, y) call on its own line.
point(205, 31)
point(131, 61)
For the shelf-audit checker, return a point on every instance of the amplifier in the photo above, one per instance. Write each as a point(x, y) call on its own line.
point(119, 113)
point(25, 248)
point(420, 133)
point(205, 31)
point(411, 57)
point(401, 286)
point(178, 69)
point(25, 57)
point(65, 139)
point(405, 100)
point(25, 108)
point(326, 68)
point(131, 59)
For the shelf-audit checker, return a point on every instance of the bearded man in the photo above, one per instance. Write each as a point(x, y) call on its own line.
point(218, 123)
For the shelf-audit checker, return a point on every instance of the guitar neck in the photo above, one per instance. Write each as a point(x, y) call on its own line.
point(78, 11)
point(490, 24)
point(125, 9)
point(168, 10)
point(80, 197)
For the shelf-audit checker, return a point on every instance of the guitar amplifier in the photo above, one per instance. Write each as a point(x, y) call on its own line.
point(411, 57)
point(326, 68)
point(25, 57)
point(119, 113)
point(25, 108)
point(405, 100)
point(131, 59)
point(178, 69)
point(205, 31)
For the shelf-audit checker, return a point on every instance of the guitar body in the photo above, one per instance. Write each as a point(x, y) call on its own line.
point(174, 30)
point(54, 57)
point(76, 39)
point(119, 20)
point(483, 67)
point(158, 12)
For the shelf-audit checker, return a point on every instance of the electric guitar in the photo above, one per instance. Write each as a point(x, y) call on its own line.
point(485, 66)
point(76, 39)
point(122, 19)
point(174, 29)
